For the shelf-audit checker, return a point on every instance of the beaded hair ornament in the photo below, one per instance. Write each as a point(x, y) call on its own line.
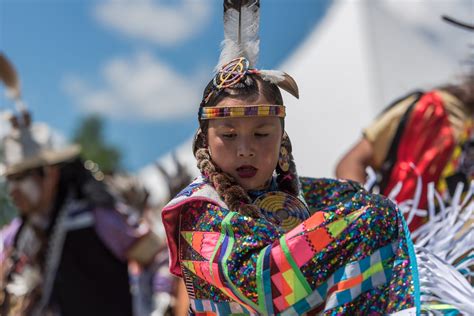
point(239, 54)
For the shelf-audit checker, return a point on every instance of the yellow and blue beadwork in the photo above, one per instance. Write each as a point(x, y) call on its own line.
point(283, 209)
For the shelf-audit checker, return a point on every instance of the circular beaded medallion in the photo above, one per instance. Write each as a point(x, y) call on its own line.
point(231, 73)
point(283, 209)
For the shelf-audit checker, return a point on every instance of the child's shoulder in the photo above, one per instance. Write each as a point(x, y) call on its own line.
point(198, 190)
point(326, 193)
point(326, 186)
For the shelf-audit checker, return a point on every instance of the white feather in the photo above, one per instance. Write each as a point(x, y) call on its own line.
point(249, 44)
point(273, 76)
point(24, 282)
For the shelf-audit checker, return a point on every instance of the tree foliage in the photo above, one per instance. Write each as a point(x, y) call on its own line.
point(7, 210)
point(89, 135)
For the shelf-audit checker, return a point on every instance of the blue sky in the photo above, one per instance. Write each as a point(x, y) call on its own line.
point(141, 64)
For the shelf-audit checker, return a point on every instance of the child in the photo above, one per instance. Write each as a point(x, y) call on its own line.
point(249, 236)
point(344, 250)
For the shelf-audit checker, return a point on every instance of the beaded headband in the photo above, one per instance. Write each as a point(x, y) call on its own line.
point(209, 113)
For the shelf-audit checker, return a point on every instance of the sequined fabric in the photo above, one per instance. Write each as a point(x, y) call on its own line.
point(350, 257)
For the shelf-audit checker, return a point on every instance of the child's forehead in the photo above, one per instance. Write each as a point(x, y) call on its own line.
point(245, 122)
point(236, 101)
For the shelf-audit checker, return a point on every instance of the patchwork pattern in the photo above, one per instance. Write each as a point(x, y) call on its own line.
point(348, 282)
point(261, 270)
point(203, 242)
point(208, 307)
point(209, 273)
point(287, 279)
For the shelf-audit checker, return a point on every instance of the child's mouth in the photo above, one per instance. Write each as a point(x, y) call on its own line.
point(246, 171)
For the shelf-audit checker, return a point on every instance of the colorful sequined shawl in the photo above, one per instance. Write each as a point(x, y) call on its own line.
point(352, 256)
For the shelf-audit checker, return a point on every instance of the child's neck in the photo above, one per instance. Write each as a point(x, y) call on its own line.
point(269, 185)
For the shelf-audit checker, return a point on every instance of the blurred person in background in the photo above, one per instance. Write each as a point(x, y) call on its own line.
point(67, 251)
point(156, 290)
point(425, 135)
point(433, 130)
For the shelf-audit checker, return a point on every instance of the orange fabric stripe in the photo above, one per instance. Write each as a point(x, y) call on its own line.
point(315, 220)
point(346, 284)
point(319, 238)
point(197, 241)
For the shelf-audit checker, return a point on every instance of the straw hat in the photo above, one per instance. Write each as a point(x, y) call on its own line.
point(27, 146)
point(30, 146)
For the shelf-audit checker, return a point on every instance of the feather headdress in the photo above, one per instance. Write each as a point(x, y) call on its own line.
point(241, 40)
point(241, 27)
point(27, 146)
point(9, 77)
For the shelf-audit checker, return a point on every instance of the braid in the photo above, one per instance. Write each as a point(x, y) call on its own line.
point(227, 188)
point(288, 181)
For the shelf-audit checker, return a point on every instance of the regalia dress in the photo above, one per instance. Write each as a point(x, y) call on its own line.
point(351, 255)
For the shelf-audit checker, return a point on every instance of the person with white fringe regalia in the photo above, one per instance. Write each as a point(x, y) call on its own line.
point(420, 153)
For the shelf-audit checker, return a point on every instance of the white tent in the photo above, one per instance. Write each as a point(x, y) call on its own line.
point(362, 56)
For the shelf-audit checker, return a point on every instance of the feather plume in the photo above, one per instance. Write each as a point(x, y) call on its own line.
point(272, 76)
point(9, 76)
point(241, 25)
point(282, 80)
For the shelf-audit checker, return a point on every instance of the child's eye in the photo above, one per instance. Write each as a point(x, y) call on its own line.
point(229, 135)
point(261, 134)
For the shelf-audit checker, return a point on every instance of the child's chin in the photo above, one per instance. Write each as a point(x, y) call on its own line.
point(250, 185)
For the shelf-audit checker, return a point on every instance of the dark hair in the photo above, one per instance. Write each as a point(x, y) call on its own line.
point(76, 182)
point(250, 89)
point(463, 91)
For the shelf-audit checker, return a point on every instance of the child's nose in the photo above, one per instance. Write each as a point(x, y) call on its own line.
point(245, 149)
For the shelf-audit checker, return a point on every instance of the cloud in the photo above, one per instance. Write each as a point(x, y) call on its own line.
point(151, 20)
point(141, 87)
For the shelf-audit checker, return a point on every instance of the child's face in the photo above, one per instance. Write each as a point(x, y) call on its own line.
point(246, 148)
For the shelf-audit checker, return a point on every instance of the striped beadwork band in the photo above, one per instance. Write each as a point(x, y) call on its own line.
point(209, 113)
